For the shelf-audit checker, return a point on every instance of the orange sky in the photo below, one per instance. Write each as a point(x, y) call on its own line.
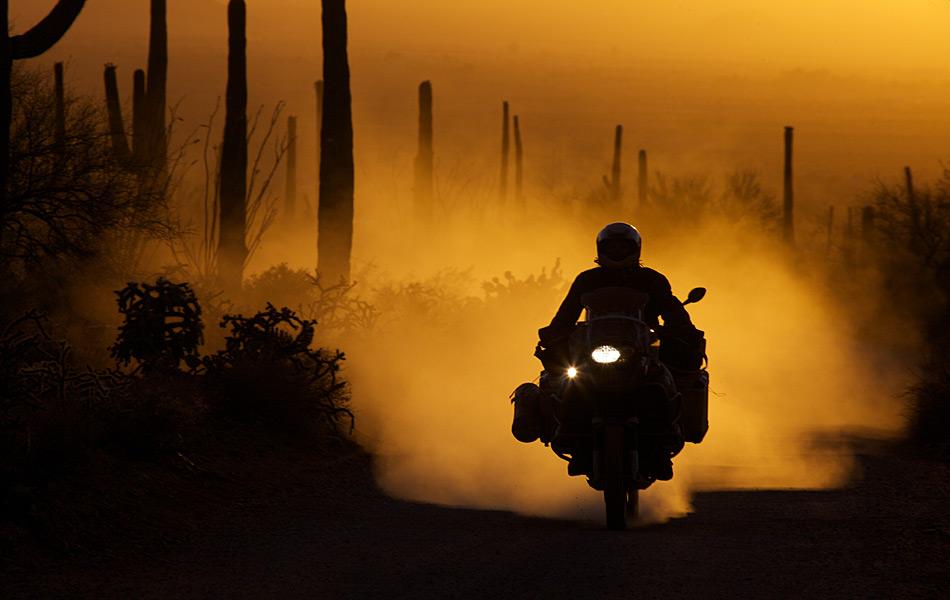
point(704, 85)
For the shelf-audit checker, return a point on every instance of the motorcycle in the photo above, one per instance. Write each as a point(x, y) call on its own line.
point(611, 359)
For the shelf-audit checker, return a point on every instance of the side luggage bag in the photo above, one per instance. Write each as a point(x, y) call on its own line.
point(693, 387)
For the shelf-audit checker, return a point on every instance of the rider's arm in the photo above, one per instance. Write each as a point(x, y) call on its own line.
point(675, 317)
point(571, 307)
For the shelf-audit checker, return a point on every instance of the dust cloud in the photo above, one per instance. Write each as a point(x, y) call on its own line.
point(431, 387)
point(703, 87)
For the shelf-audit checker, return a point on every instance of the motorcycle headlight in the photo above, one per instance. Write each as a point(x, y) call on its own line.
point(605, 355)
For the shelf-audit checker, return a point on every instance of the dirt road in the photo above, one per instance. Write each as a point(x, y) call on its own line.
point(336, 536)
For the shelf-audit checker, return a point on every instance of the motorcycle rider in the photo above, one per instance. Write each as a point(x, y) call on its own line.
point(619, 247)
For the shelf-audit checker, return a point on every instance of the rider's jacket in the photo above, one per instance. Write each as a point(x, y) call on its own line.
point(662, 302)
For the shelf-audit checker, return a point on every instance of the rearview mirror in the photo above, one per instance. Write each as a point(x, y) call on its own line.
point(695, 295)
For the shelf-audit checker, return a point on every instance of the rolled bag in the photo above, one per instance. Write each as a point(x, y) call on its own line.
point(693, 387)
point(684, 355)
point(535, 413)
point(526, 425)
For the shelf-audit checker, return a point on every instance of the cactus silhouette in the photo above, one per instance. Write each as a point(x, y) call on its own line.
point(232, 248)
point(643, 180)
point(59, 77)
point(139, 118)
point(615, 191)
point(156, 135)
point(505, 151)
point(425, 156)
point(831, 228)
point(318, 88)
point(290, 190)
point(120, 144)
point(31, 44)
point(788, 221)
point(335, 235)
point(519, 163)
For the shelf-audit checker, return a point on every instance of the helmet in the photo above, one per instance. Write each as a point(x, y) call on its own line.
point(618, 245)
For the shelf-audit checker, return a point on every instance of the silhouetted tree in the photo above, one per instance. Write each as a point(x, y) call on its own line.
point(63, 205)
point(915, 223)
point(120, 144)
point(425, 155)
point(232, 252)
point(693, 198)
point(157, 142)
point(31, 44)
point(335, 235)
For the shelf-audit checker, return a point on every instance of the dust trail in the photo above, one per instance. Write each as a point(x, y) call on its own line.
point(431, 386)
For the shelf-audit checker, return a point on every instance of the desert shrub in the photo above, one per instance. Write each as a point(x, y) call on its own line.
point(694, 198)
point(439, 301)
point(162, 326)
point(910, 248)
point(914, 229)
point(336, 306)
point(269, 373)
point(532, 288)
point(930, 413)
point(48, 403)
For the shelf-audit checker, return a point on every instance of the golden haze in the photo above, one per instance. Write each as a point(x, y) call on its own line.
point(704, 86)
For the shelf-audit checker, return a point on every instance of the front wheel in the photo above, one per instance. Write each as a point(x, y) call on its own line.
point(615, 490)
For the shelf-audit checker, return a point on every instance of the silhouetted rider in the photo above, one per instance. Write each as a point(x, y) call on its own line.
point(618, 257)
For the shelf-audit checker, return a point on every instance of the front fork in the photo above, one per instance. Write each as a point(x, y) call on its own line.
point(615, 451)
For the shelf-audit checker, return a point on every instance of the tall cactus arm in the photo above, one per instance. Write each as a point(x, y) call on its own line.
point(48, 31)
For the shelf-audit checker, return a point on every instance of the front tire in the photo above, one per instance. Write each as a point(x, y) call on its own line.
point(615, 492)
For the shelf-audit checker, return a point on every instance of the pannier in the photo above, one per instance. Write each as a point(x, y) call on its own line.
point(526, 426)
point(693, 387)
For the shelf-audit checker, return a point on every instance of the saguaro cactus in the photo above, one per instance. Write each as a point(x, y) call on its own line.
point(505, 150)
point(643, 180)
point(519, 163)
point(788, 221)
point(425, 156)
point(318, 87)
point(120, 144)
point(615, 190)
point(290, 189)
point(59, 77)
point(232, 245)
point(831, 228)
point(156, 135)
point(31, 44)
point(139, 118)
point(335, 235)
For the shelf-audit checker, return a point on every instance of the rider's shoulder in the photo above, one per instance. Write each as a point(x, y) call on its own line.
point(648, 272)
point(654, 276)
point(589, 275)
